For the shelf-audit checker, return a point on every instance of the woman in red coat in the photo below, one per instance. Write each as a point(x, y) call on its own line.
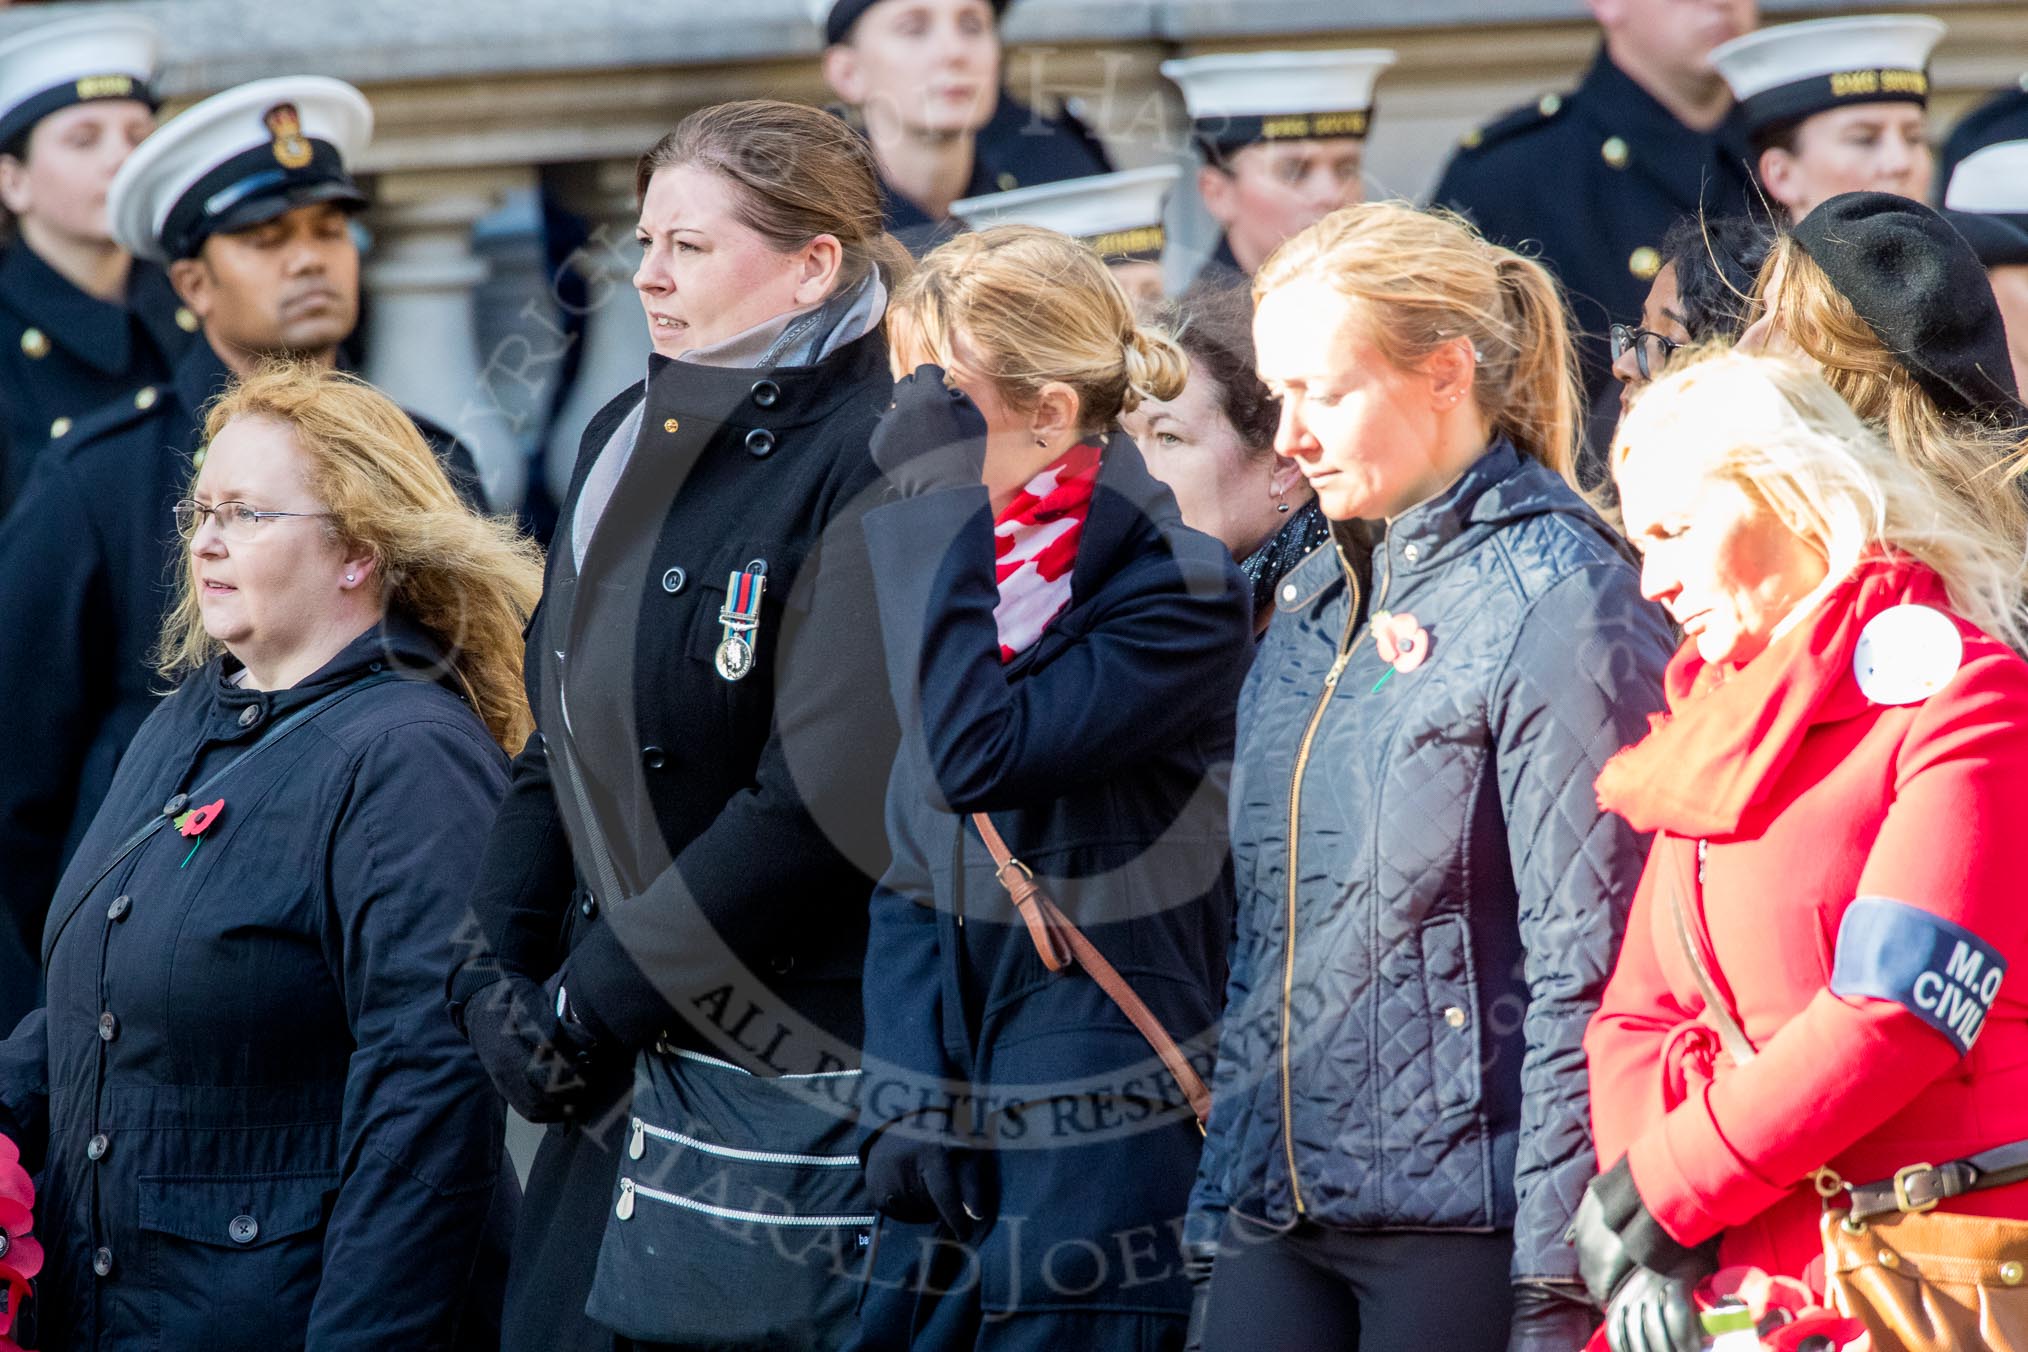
point(1837, 794)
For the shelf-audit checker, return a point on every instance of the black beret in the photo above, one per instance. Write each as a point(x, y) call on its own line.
point(838, 22)
point(1923, 292)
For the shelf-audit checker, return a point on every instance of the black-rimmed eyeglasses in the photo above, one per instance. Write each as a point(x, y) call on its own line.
point(1651, 349)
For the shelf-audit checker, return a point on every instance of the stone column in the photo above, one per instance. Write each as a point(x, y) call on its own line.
point(616, 345)
point(422, 339)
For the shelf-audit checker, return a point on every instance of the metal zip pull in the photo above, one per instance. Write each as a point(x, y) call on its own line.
point(635, 1144)
point(625, 1209)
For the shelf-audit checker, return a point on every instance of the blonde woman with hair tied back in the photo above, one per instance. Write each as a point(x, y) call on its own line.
point(1064, 654)
point(1807, 1060)
point(253, 933)
point(1428, 897)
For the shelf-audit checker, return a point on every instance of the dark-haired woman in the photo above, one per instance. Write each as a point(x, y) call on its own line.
point(1214, 445)
point(677, 881)
point(1704, 290)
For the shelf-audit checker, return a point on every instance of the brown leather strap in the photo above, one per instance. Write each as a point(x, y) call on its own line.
point(1059, 943)
point(1675, 880)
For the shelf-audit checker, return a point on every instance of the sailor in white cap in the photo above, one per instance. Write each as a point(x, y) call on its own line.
point(1119, 215)
point(80, 321)
point(922, 78)
point(1987, 201)
point(247, 199)
point(1833, 106)
point(1283, 139)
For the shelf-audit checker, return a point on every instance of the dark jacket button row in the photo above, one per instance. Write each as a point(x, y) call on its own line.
point(102, 1262)
point(109, 1027)
point(249, 715)
point(672, 581)
point(589, 908)
point(176, 805)
point(95, 1149)
point(766, 393)
point(121, 904)
point(652, 757)
point(760, 443)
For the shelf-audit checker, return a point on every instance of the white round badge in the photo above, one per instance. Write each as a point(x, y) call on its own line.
point(1906, 654)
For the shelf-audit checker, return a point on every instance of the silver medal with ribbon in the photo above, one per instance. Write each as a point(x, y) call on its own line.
point(739, 621)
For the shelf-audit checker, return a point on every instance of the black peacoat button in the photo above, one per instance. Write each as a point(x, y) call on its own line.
point(250, 715)
point(766, 394)
point(109, 1027)
point(783, 963)
point(589, 907)
point(96, 1147)
point(652, 757)
point(243, 1229)
point(102, 1261)
point(176, 805)
point(121, 904)
point(760, 443)
point(673, 580)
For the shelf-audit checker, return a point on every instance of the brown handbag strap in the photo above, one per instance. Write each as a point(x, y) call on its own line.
point(1730, 1035)
point(1059, 943)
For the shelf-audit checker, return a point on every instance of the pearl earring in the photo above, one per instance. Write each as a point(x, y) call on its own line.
point(350, 578)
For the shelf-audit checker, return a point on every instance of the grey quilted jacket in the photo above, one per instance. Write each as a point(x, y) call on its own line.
point(1413, 1058)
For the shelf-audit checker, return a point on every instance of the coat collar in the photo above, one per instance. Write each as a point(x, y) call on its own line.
point(398, 642)
point(98, 333)
point(1128, 505)
point(200, 376)
point(765, 397)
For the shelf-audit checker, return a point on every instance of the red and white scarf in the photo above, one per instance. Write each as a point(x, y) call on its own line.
point(1035, 547)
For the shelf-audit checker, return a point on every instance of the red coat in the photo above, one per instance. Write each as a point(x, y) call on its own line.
point(1923, 803)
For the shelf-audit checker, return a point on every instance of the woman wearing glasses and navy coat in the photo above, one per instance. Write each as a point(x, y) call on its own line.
point(252, 1125)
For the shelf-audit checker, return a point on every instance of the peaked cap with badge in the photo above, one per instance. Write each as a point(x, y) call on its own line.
point(64, 351)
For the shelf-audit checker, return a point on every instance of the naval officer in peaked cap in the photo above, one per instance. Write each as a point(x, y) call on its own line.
point(81, 322)
point(1833, 106)
point(1282, 137)
point(247, 200)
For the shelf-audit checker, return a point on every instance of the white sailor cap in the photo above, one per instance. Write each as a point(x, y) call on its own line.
point(1787, 73)
point(54, 65)
point(1120, 215)
point(1242, 97)
point(237, 159)
point(1988, 202)
point(836, 17)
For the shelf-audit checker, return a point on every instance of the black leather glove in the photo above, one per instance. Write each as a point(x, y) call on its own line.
point(1198, 1260)
point(1653, 1313)
point(546, 1069)
point(1602, 1257)
point(1550, 1318)
point(920, 1178)
point(1615, 1234)
point(933, 436)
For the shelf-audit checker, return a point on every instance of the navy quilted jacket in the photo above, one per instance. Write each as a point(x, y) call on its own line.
point(1413, 1058)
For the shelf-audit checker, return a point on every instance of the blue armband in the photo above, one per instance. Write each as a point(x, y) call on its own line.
point(1938, 971)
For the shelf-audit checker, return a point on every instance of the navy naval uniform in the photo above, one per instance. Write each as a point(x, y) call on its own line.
point(1017, 148)
point(64, 352)
point(1591, 181)
point(88, 560)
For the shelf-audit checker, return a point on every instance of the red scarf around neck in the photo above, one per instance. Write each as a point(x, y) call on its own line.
point(1035, 547)
point(1730, 732)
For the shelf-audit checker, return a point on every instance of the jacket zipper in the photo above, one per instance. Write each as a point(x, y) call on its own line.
point(1344, 658)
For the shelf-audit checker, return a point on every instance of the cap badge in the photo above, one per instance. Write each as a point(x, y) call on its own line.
point(292, 150)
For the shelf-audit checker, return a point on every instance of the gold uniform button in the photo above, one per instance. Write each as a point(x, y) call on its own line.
point(2011, 1272)
point(1614, 152)
point(58, 428)
point(1889, 1258)
point(1644, 263)
point(1006, 182)
point(35, 343)
point(186, 319)
point(1472, 139)
point(1549, 105)
point(670, 425)
point(144, 398)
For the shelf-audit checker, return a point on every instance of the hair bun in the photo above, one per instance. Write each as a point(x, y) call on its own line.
point(1156, 367)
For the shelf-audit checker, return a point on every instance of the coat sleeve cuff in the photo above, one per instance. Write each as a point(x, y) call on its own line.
point(1691, 1179)
point(610, 995)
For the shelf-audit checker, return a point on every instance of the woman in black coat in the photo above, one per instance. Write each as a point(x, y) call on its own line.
point(254, 1127)
point(678, 877)
point(1066, 656)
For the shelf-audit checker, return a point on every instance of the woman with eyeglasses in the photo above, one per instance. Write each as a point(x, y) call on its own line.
point(254, 1127)
point(1704, 290)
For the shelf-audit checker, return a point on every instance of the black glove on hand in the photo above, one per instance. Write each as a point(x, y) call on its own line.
point(918, 1178)
point(1198, 1261)
point(1653, 1313)
point(1549, 1318)
point(933, 436)
point(1616, 1234)
point(543, 1068)
point(1602, 1257)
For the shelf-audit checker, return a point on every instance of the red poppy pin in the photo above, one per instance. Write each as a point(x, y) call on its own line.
point(20, 1251)
point(195, 823)
point(1401, 643)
